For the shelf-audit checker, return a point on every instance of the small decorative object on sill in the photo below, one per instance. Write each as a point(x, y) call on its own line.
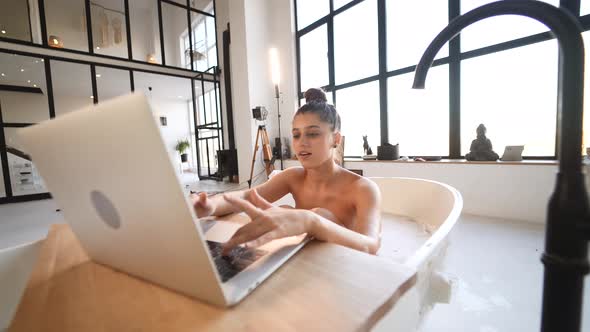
point(388, 152)
point(366, 146)
point(481, 147)
point(55, 42)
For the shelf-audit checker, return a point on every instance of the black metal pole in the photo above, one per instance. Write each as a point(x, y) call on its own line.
point(568, 222)
point(280, 145)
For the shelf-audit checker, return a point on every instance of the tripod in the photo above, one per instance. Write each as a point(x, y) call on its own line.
point(266, 153)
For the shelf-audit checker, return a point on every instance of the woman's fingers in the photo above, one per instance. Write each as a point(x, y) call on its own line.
point(245, 234)
point(252, 211)
point(265, 238)
point(259, 201)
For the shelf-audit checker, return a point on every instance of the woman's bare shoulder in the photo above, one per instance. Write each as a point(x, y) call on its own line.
point(361, 185)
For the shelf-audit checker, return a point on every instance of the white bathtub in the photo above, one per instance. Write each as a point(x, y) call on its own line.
point(417, 218)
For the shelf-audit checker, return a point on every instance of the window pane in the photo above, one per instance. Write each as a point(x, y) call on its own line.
point(204, 42)
point(340, 3)
point(14, 20)
point(514, 94)
point(66, 24)
point(309, 11)
point(584, 7)
point(109, 30)
point(111, 83)
point(497, 29)
point(23, 71)
point(72, 87)
point(419, 119)
point(314, 59)
point(203, 5)
point(405, 49)
point(24, 177)
point(145, 31)
point(358, 107)
point(355, 42)
point(175, 27)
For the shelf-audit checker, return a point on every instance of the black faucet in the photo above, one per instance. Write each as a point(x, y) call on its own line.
point(568, 222)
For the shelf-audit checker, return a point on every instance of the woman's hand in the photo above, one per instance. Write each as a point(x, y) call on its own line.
point(268, 222)
point(203, 206)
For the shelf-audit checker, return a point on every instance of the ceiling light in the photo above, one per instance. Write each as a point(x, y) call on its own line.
point(21, 70)
point(28, 81)
point(4, 31)
point(42, 60)
point(98, 75)
point(179, 96)
point(91, 97)
point(98, 48)
point(2, 74)
point(35, 85)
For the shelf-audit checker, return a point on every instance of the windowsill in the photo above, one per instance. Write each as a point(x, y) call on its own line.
point(460, 161)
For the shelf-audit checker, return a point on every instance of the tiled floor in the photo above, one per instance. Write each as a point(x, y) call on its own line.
point(493, 264)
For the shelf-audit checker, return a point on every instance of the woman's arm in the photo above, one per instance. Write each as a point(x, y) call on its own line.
point(366, 233)
point(269, 222)
point(272, 190)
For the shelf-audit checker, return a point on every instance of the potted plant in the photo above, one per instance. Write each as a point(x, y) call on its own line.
point(181, 147)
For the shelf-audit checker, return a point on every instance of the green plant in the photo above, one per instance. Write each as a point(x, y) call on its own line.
point(181, 146)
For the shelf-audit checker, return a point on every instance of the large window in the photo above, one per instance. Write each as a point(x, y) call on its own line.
point(501, 71)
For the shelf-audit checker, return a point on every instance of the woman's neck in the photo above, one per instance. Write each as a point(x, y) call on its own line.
point(323, 173)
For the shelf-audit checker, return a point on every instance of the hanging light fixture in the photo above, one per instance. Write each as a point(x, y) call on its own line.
point(55, 42)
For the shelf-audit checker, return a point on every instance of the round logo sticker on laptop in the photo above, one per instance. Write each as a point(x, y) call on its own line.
point(105, 209)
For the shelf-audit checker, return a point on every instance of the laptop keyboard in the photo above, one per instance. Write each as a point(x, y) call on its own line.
point(238, 259)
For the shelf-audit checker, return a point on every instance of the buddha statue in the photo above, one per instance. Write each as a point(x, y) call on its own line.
point(481, 147)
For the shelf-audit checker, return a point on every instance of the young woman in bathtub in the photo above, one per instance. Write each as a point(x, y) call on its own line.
point(332, 203)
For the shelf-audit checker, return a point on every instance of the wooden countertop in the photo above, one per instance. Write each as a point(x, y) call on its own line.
point(324, 287)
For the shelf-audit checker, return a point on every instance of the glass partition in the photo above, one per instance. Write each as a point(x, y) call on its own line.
point(111, 83)
point(145, 31)
point(72, 86)
point(15, 20)
point(66, 24)
point(109, 29)
point(175, 28)
point(26, 75)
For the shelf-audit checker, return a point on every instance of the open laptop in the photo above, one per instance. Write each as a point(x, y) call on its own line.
point(512, 153)
point(108, 168)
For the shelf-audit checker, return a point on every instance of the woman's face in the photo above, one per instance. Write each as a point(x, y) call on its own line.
point(313, 140)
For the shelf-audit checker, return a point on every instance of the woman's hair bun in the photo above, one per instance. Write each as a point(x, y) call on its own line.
point(315, 94)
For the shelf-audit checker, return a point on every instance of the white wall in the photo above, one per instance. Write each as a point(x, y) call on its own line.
point(256, 26)
point(177, 128)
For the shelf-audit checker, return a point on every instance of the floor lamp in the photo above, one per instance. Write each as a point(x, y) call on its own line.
point(276, 79)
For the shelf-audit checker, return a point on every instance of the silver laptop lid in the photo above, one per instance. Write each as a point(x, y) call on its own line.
point(108, 169)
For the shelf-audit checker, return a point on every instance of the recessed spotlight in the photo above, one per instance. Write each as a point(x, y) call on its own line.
point(35, 85)
point(98, 75)
point(22, 70)
point(36, 61)
point(98, 48)
point(2, 74)
point(28, 81)
point(42, 60)
point(91, 97)
point(3, 31)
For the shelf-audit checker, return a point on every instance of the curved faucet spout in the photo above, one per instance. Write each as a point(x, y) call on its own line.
point(571, 69)
point(566, 238)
